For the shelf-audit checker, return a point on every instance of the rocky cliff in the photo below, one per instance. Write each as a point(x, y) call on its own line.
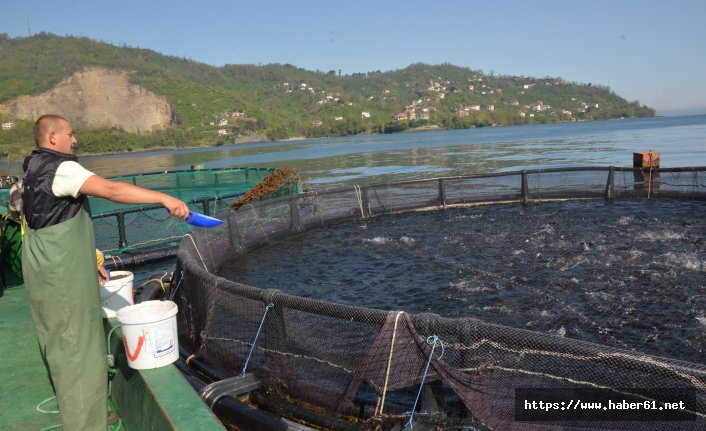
point(97, 97)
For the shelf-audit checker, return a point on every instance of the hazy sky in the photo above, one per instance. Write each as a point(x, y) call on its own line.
point(646, 50)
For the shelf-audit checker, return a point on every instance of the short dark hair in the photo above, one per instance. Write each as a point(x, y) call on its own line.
point(43, 124)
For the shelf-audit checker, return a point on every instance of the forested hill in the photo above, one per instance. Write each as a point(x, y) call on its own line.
point(216, 105)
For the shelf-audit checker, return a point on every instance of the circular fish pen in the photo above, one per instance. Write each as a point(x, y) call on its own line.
point(534, 290)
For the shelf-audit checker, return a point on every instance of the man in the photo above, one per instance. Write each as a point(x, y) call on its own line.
point(60, 272)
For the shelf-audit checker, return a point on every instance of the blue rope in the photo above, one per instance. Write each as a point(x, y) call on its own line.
point(177, 286)
point(245, 367)
point(433, 339)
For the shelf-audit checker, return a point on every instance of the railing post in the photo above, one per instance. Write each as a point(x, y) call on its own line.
point(442, 193)
point(525, 188)
point(609, 194)
point(206, 206)
point(294, 219)
point(122, 239)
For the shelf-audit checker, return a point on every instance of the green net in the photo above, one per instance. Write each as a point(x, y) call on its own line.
point(135, 230)
point(133, 234)
point(188, 185)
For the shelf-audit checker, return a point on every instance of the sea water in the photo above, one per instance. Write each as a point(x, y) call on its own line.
point(628, 274)
point(334, 162)
point(553, 306)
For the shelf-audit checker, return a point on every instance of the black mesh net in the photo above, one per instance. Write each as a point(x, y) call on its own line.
point(378, 369)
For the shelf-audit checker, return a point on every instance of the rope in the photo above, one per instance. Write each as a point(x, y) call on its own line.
point(359, 196)
point(288, 354)
point(162, 284)
point(107, 341)
point(46, 412)
point(197, 251)
point(138, 244)
point(110, 358)
point(389, 363)
point(262, 322)
point(651, 154)
point(177, 286)
point(41, 410)
point(113, 258)
point(111, 369)
point(430, 340)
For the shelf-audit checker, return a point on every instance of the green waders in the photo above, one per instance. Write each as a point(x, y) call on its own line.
point(59, 269)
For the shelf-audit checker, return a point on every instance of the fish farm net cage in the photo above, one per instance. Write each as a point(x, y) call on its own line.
point(127, 233)
point(348, 367)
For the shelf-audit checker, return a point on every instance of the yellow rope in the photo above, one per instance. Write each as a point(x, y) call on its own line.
point(389, 363)
point(164, 286)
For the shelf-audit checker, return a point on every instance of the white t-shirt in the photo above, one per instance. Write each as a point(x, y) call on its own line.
point(69, 178)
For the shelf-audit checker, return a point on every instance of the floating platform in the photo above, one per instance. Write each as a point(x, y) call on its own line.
point(157, 399)
point(645, 159)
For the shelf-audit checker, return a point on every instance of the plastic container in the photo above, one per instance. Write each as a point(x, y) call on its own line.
point(117, 292)
point(150, 334)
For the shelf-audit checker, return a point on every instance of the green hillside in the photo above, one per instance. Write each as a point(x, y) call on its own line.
point(280, 101)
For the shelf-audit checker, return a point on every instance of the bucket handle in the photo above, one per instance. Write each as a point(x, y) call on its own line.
point(112, 293)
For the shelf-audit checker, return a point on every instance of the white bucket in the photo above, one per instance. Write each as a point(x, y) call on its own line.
point(150, 334)
point(117, 292)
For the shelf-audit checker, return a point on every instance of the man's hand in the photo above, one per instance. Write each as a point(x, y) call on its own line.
point(103, 276)
point(176, 207)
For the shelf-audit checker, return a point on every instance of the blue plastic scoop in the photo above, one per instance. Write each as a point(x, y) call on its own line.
point(200, 220)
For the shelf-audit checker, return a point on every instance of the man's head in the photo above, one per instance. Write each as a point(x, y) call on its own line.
point(54, 132)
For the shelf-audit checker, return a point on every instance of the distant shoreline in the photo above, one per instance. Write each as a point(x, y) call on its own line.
point(244, 140)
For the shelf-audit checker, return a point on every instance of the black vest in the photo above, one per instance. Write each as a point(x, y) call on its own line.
point(39, 205)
